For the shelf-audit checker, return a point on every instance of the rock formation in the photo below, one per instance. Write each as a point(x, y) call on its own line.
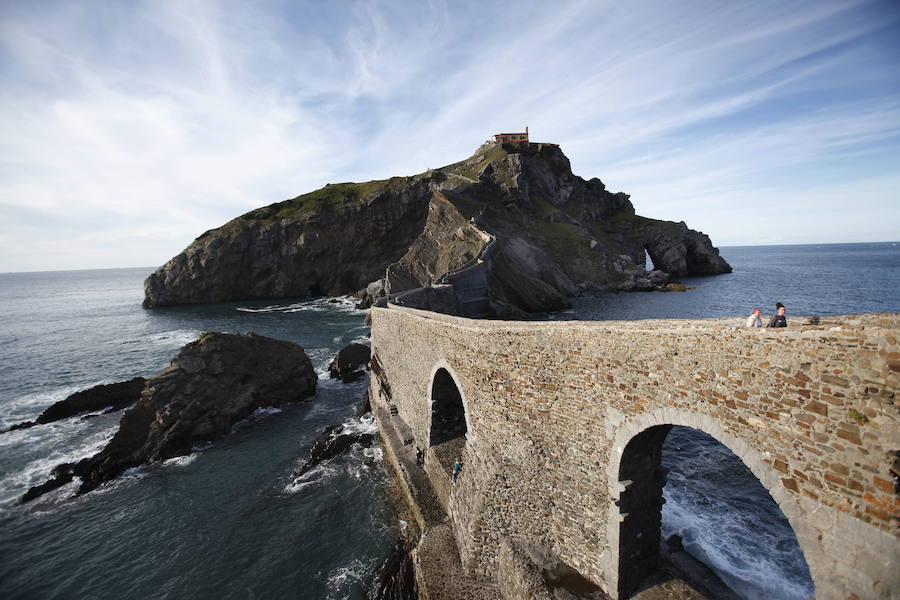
point(349, 363)
point(396, 577)
point(211, 384)
point(511, 228)
point(334, 440)
point(113, 396)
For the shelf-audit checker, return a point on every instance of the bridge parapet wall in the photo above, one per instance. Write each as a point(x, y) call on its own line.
point(811, 410)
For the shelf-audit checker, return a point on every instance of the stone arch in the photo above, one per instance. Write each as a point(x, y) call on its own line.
point(449, 419)
point(648, 263)
point(636, 452)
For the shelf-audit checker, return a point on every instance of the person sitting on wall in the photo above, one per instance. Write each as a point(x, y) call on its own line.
point(778, 319)
point(754, 320)
point(457, 467)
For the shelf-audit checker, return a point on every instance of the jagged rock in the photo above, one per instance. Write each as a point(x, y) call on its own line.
point(365, 407)
point(22, 425)
point(658, 277)
point(349, 363)
point(396, 577)
point(679, 562)
point(211, 384)
point(515, 211)
point(331, 442)
point(62, 474)
point(112, 396)
point(673, 247)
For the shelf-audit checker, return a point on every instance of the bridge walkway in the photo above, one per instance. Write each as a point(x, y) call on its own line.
point(402, 457)
point(439, 572)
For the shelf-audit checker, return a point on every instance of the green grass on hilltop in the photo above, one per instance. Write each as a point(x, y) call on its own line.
point(330, 197)
point(472, 167)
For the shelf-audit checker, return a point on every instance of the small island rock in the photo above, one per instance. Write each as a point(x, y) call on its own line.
point(211, 384)
point(349, 363)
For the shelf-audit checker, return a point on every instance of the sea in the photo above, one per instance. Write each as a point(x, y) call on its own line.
point(235, 520)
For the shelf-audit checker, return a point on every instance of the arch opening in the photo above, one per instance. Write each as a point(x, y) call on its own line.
point(448, 415)
point(679, 481)
point(649, 265)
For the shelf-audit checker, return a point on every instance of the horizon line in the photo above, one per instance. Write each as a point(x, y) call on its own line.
point(885, 242)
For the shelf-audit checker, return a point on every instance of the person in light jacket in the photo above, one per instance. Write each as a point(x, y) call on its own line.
point(754, 320)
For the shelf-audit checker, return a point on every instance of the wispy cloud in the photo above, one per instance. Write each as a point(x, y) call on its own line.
point(130, 128)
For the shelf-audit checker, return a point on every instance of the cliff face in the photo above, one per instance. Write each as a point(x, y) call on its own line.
point(330, 242)
point(549, 234)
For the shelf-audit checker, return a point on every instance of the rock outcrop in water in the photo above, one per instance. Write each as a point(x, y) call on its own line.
point(334, 440)
point(510, 227)
point(211, 384)
point(112, 397)
point(350, 362)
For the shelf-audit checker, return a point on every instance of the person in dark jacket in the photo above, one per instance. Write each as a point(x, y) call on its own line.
point(457, 467)
point(778, 319)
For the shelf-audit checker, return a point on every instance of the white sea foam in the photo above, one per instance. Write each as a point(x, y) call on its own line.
point(362, 470)
point(49, 503)
point(363, 424)
point(264, 411)
point(321, 473)
point(373, 452)
point(272, 309)
point(134, 472)
point(362, 461)
point(730, 524)
point(29, 406)
point(181, 461)
point(325, 381)
point(338, 304)
point(175, 338)
point(342, 579)
point(64, 441)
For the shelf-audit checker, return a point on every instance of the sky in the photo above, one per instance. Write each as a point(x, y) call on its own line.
point(127, 129)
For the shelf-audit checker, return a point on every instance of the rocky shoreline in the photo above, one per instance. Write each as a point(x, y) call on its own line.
point(211, 384)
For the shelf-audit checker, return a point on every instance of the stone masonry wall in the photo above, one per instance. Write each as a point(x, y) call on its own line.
point(812, 410)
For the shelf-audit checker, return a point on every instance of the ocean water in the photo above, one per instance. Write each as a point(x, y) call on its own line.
point(728, 520)
point(233, 521)
point(816, 279)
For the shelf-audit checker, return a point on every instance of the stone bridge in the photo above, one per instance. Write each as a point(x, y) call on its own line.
point(559, 426)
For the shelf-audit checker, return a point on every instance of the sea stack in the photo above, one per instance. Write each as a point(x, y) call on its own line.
point(210, 385)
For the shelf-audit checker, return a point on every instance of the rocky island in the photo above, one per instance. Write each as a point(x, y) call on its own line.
point(508, 231)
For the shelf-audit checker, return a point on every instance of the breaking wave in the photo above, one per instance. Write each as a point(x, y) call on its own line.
point(337, 303)
point(729, 521)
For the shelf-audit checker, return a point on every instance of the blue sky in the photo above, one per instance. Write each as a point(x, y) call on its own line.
point(129, 128)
